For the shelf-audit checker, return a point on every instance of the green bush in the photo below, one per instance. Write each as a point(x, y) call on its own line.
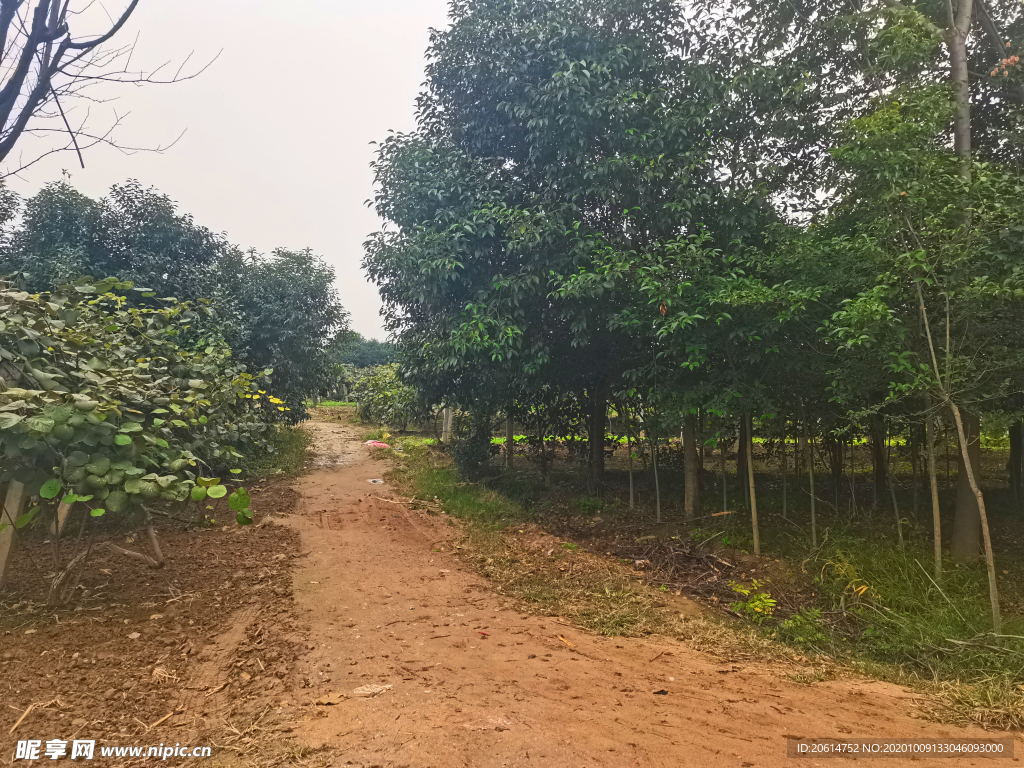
point(114, 404)
point(383, 397)
point(471, 453)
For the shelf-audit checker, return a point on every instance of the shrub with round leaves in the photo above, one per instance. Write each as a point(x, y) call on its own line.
point(114, 404)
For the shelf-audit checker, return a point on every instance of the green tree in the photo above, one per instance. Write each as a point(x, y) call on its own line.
point(364, 353)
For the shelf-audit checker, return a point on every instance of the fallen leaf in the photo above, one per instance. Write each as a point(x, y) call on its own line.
point(566, 641)
point(134, 636)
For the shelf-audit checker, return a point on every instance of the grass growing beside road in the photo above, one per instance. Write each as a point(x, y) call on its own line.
point(502, 541)
point(551, 577)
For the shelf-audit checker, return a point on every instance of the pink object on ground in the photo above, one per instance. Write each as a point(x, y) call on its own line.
point(377, 444)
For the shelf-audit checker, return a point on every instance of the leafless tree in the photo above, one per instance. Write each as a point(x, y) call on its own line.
point(46, 68)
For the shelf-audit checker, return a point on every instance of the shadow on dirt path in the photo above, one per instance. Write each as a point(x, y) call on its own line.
point(469, 680)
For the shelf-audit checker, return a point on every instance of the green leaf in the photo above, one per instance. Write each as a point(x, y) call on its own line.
point(71, 498)
point(117, 501)
point(40, 424)
point(203, 419)
point(198, 493)
point(235, 471)
point(51, 488)
point(97, 512)
point(239, 500)
point(131, 426)
point(122, 440)
point(206, 482)
point(27, 518)
point(243, 518)
point(8, 420)
point(98, 467)
point(217, 492)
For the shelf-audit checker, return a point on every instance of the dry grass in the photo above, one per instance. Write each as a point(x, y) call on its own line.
point(995, 704)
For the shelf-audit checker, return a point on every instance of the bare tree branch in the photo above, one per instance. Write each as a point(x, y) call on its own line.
point(45, 67)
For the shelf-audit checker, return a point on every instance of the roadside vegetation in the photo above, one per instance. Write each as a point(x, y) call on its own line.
point(155, 391)
point(738, 311)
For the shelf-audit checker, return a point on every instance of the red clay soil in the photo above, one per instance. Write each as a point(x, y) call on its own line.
point(255, 641)
point(472, 681)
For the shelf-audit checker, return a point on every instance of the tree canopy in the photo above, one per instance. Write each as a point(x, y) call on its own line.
point(810, 209)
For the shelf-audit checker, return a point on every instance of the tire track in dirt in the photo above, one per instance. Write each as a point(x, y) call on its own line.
point(384, 600)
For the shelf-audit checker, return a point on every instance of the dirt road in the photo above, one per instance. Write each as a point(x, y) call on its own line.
point(475, 682)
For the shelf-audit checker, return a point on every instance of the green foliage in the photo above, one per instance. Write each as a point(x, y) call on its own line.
point(471, 455)
point(283, 451)
point(757, 606)
point(134, 234)
point(280, 312)
point(97, 397)
point(364, 353)
point(803, 628)
point(431, 476)
point(383, 397)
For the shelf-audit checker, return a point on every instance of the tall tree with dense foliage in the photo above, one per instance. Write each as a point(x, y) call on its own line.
point(281, 312)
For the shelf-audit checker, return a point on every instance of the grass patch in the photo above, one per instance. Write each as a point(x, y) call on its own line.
point(875, 611)
point(429, 474)
point(996, 704)
point(554, 577)
point(285, 454)
point(332, 404)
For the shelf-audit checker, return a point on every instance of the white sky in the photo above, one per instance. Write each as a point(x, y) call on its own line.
point(277, 147)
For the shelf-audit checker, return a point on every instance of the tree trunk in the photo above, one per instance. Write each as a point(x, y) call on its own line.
point(914, 450)
point(14, 505)
point(785, 472)
point(800, 457)
point(810, 477)
point(725, 486)
point(974, 480)
point(959, 75)
point(966, 544)
point(701, 431)
point(629, 450)
point(1016, 466)
point(446, 426)
point(741, 455)
point(545, 464)
point(690, 467)
point(878, 458)
point(933, 482)
point(510, 441)
point(595, 440)
point(749, 429)
point(654, 467)
point(853, 475)
point(741, 461)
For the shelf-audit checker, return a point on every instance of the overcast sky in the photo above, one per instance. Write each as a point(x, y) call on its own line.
point(278, 130)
